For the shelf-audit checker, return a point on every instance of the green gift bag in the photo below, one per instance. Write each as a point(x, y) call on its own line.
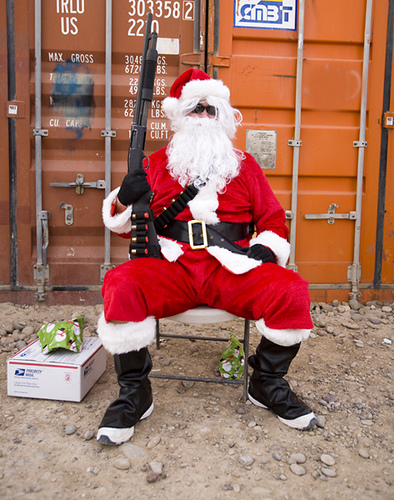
point(65, 334)
point(232, 361)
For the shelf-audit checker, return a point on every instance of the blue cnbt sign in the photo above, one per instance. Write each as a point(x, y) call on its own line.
point(266, 14)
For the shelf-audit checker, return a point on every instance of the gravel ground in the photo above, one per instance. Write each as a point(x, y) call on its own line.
point(202, 441)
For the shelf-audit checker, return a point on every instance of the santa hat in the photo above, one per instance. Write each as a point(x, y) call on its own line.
point(194, 83)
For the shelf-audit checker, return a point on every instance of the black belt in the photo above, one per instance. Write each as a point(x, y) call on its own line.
point(200, 235)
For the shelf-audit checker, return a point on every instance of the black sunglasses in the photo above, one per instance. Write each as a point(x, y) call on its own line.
point(200, 108)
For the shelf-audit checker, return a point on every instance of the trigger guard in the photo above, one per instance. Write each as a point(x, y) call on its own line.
point(145, 167)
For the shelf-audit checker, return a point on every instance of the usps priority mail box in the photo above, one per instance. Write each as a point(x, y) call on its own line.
point(62, 375)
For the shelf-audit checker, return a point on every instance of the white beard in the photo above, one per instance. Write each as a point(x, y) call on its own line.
point(201, 149)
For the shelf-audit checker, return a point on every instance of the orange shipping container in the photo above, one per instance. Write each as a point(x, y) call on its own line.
point(314, 90)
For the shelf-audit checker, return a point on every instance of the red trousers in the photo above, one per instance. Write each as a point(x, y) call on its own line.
point(155, 287)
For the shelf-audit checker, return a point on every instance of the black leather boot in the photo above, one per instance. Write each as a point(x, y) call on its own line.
point(268, 389)
point(135, 397)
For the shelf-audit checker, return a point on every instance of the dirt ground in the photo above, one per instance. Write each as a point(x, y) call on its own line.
point(202, 442)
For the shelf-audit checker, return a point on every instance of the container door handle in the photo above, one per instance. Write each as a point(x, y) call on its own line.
point(330, 216)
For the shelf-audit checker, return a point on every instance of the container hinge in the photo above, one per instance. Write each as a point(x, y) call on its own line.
point(108, 133)
point(193, 59)
point(330, 216)
point(43, 132)
point(360, 144)
point(289, 214)
point(104, 268)
point(354, 273)
point(294, 143)
point(80, 184)
point(292, 267)
point(220, 61)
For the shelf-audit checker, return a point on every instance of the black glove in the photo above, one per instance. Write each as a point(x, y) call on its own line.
point(133, 186)
point(260, 252)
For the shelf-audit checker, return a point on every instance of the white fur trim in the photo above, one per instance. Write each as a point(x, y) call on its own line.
point(286, 337)
point(170, 249)
point(203, 206)
point(235, 263)
point(119, 338)
point(119, 223)
point(205, 88)
point(200, 89)
point(277, 244)
point(169, 105)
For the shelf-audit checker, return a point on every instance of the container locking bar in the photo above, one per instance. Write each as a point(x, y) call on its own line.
point(330, 216)
point(79, 184)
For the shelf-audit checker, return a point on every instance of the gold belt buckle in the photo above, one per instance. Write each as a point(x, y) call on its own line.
point(203, 235)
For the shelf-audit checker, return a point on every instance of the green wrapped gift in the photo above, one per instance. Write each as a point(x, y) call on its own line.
point(65, 334)
point(232, 360)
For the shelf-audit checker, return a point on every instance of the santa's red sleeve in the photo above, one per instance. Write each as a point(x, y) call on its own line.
point(268, 215)
point(117, 222)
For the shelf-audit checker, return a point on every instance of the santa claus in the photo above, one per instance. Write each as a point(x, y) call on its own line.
point(209, 257)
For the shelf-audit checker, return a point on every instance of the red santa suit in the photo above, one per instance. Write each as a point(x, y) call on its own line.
point(235, 193)
point(142, 290)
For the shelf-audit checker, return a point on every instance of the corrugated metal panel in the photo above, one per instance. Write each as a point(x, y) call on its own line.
point(262, 77)
point(73, 59)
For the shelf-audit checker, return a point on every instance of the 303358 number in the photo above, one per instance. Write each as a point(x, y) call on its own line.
point(161, 9)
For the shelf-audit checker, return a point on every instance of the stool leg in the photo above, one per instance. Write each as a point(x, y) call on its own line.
point(157, 334)
point(246, 353)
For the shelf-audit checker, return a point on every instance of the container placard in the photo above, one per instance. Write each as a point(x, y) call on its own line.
point(262, 145)
point(266, 14)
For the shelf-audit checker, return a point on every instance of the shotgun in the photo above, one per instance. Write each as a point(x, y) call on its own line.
point(144, 242)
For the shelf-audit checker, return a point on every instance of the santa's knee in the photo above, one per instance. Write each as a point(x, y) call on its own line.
point(124, 296)
point(286, 317)
point(123, 337)
point(283, 336)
